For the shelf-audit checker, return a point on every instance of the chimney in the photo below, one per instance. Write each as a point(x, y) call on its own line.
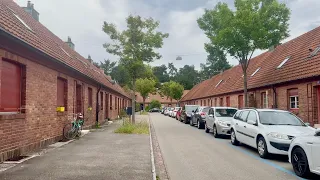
point(89, 59)
point(30, 9)
point(70, 43)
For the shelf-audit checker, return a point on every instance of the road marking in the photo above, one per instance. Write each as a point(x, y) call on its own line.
point(262, 160)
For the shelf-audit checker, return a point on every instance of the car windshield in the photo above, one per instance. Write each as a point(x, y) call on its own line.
point(279, 118)
point(191, 108)
point(177, 108)
point(225, 112)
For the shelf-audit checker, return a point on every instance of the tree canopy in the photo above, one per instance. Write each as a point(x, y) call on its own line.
point(251, 25)
point(145, 86)
point(107, 66)
point(135, 46)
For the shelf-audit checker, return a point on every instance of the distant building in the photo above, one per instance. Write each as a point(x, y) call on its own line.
point(167, 102)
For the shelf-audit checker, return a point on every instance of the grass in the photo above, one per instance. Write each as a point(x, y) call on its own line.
point(143, 113)
point(137, 128)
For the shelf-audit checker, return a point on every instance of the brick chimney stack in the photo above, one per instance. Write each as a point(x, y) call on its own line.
point(30, 9)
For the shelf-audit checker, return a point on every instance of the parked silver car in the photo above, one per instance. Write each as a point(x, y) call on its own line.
point(219, 119)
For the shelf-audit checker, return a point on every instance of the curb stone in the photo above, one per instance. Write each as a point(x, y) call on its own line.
point(161, 168)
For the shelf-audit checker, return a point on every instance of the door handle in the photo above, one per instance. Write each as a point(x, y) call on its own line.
point(237, 124)
point(245, 126)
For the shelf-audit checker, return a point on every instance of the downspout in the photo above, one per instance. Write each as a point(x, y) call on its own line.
point(275, 103)
point(97, 105)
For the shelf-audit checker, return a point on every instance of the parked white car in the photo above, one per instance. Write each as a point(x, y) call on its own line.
point(218, 120)
point(168, 111)
point(304, 154)
point(174, 112)
point(267, 130)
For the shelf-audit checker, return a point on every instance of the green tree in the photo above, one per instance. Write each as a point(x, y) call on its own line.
point(251, 25)
point(121, 75)
point(145, 87)
point(172, 71)
point(216, 62)
point(155, 104)
point(176, 90)
point(135, 46)
point(187, 76)
point(107, 66)
point(161, 73)
point(165, 89)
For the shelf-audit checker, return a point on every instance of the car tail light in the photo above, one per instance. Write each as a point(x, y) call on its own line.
point(202, 113)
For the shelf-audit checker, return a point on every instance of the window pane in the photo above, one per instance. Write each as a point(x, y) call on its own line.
point(243, 116)
point(252, 116)
point(10, 87)
point(60, 92)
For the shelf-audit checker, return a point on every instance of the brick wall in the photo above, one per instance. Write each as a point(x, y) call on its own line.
point(41, 125)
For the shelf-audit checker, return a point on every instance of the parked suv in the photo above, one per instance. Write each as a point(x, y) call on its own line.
point(219, 120)
point(187, 112)
point(267, 130)
point(199, 116)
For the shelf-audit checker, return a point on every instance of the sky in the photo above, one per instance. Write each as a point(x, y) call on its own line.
point(82, 20)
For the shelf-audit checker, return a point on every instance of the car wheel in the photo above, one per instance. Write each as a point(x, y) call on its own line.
point(262, 148)
point(186, 120)
point(206, 129)
point(234, 140)
point(198, 124)
point(300, 163)
point(191, 122)
point(215, 132)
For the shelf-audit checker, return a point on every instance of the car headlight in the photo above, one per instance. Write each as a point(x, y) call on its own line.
point(279, 136)
point(222, 123)
point(189, 115)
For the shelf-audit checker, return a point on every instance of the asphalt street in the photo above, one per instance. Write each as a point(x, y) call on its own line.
point(191, 154)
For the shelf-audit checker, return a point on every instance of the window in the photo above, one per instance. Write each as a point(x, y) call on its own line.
point(244, 116)
point(25, 24)
point(252, 116)
point(211, 112)
point(90, 97)
point(315, 52)
point(12, 97)
point(215, 101)
point(204, 102)
point(221, 101)
point(293, 99)
point(225, 112)
point(219, 83)
point(238, 115)
point(283, 62)
point(264, 100)
point(62, 94)
point(101, 100)
point(255, 72)
point(240, 101)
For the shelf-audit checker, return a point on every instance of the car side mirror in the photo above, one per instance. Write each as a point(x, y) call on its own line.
point(252, 122)
point(210, 115)
point(193, 111)
point(307, 124)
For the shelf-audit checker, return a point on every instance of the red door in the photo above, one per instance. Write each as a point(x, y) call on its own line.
point(107, 105)
point(240, 101)
point(79, 99)
point(319, 105)
point(228, 101)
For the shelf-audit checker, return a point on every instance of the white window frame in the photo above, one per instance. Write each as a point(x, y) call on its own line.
point(283, 62)
point(296, 102)
point(219, 83)
point(255, 72)
point(264, 99)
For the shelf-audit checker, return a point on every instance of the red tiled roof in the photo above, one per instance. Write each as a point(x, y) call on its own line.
point(44, 40)
point(299, 66)
point(158, 97)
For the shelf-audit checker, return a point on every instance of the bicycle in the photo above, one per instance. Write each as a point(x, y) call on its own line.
point(73, 129)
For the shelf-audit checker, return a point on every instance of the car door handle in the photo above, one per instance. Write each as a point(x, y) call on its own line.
point(309, 143)
point(245, 126)
point(237, 124)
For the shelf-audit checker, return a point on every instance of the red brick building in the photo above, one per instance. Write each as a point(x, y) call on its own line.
point(285, 77)
point(38, 73)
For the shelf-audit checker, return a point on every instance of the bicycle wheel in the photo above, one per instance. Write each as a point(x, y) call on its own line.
point(69, 132)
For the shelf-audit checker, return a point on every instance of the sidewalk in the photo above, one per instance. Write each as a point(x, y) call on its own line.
point(99, 155)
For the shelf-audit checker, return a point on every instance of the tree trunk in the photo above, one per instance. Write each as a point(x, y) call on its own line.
point(144, 104)
point(245, 84)
point(133, 120)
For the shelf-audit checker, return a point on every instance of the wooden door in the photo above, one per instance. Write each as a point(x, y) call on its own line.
point(240, 101)
point(79, 99)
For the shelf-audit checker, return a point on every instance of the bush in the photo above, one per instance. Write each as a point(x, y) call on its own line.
point(122, 113)
point(147, 108)
point(155, 104)
point(137, 107)
point(129, 128)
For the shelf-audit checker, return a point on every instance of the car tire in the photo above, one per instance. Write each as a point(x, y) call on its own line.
point(191, 122)
point(234, 140)
point(199, 125)
point(300, 163)
point(206, 129)
point(215, 132)
point(262, 148)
